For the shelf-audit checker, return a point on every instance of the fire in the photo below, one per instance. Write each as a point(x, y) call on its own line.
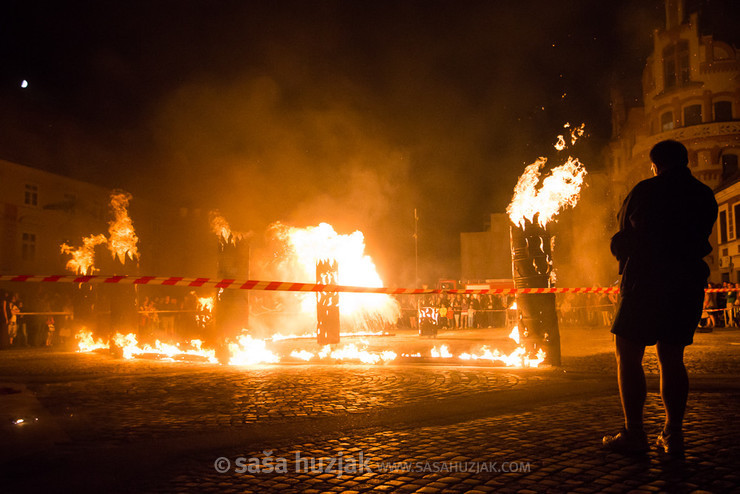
point(83, 258)
point(130, 348)
point(205, 304)
point(246, 351)
point(514, 335)
point(350, 352)
point(517, 358)
point(250, 351)
point(123, 239)
point(443, 352)
point(575, 134)
point(558, 190)
point(222, 229)
point(305, 246)
point(86, 342)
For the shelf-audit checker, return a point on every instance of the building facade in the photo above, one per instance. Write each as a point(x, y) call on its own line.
point(39, 211)
point(690, 93)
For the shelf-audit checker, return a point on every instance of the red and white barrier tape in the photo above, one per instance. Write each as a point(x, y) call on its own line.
point(286, 286)
point(280, 286)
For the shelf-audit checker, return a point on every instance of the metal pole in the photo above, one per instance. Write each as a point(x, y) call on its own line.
point(416, 248)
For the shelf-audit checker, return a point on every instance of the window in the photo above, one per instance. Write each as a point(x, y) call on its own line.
point(28, 249)
point(722, 111)
point(676, 64)
point(692, 115)
point(31, 197)
point(736, 210)
point(666, 121)
point(723, 226)
point(729, 165)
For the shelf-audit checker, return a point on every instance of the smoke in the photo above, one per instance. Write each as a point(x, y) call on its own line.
point(352, 113)
point(242, 147)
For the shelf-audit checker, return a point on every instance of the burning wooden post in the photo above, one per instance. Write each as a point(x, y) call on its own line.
point(231, 311)
point(327, 303)
point(531, 265)
point(533, 206)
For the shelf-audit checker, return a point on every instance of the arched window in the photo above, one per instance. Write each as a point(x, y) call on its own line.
point(666, 121)
point(692, 115)
point(676, 68)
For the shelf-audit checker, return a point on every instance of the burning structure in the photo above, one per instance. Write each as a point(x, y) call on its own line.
point(231, 313)
point(327, 303)
point(530, 211)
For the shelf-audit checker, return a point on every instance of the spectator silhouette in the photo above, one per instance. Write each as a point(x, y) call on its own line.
point(664, 225)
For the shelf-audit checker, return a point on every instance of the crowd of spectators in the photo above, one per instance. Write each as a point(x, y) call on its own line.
point(721, 309)
point(166, 317)
point(43, 320)
point(461, 311)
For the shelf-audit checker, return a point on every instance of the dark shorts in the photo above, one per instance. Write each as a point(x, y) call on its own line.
point(659, 316)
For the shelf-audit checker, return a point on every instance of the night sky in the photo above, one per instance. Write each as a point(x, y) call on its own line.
point(351, 112)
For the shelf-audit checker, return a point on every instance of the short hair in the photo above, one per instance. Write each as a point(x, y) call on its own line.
point(669, 154)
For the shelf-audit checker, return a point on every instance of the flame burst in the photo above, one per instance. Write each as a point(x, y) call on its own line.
point(304, 246)
point(560, 189)
point(123, 239)
point(83, 258)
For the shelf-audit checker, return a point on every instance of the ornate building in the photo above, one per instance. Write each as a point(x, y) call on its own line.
point(690, 93)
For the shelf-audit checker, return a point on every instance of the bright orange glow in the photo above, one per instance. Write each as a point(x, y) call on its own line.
point(221, 228)
point(123, 239)
point(305, 246)
point(560, 189)
point(86, 342)
point(83, 258)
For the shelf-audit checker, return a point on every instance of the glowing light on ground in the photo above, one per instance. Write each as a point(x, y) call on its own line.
point(86, 342)
point(250, 351)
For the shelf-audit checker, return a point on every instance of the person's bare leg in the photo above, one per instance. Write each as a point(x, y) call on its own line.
point(631, 377)
point(674, 385)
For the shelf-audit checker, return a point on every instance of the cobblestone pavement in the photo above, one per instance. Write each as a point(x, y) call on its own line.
point(107, 424)
point(549, 449)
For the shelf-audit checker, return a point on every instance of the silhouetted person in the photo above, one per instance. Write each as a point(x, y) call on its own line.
point(664, 225)
point(4, 320)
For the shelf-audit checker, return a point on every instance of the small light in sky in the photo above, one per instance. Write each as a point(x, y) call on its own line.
point(24, 84)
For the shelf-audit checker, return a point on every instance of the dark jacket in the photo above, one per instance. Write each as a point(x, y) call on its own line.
point(664, 228)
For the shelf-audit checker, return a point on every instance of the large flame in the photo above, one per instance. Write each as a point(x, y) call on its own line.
point(305, 246)
point(83, 258)
point(123, 239)
point(558, 190)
